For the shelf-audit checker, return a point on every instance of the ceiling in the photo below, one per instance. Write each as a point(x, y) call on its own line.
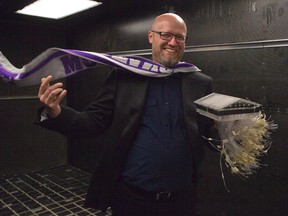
point(7, 8)
point(109, 8)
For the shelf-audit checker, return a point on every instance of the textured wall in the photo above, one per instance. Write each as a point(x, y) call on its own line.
point(25, 147)
point(257, 74)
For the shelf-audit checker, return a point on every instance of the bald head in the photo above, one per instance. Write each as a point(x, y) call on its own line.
point(174, 20)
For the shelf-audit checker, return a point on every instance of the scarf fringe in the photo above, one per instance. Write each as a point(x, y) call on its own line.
point(243, 143)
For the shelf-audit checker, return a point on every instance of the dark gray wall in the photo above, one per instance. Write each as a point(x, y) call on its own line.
point(25, 147)
point(257, 74)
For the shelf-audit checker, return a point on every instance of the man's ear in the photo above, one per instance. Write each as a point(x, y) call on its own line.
point(150, 37)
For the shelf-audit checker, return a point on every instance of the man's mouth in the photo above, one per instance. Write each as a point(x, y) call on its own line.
point(170, 50)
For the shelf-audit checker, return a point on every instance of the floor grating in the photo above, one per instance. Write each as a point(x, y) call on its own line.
point(59, 191)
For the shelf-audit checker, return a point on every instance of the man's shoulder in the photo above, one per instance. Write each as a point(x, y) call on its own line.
point(197, 75)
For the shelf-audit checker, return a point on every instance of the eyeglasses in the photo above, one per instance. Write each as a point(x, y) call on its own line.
point(168, 36)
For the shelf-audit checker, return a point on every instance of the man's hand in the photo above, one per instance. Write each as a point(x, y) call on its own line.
point(51, 96)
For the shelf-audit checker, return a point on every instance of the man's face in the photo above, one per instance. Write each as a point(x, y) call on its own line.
point(167, 52)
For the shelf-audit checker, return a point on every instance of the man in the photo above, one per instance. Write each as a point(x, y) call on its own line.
point(154, 135)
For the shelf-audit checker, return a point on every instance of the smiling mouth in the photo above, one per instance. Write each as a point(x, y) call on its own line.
point(170, 50)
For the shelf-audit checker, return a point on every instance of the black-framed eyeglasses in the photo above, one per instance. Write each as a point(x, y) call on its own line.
point(168, 36)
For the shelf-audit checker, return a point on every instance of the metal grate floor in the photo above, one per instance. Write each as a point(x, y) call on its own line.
point(59, 191)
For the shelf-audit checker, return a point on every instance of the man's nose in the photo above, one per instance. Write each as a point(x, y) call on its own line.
point(173, 40)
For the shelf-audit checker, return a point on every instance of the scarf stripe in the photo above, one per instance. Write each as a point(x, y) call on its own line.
point(61, 63)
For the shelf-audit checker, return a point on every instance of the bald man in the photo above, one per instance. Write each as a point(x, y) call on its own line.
point(153, 133)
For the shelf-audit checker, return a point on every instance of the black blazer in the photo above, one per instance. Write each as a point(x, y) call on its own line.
point(117, 111)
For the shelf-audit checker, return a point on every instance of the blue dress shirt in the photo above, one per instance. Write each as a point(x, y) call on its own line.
point(160, 158)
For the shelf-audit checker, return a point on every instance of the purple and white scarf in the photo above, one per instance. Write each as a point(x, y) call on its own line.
point(62, 63)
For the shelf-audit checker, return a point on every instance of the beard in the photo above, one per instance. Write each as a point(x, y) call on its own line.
point(168, 62)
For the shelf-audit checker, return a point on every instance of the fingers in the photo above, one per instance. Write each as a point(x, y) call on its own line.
point(60, 96)
point(51, 95)
point(45, 83)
